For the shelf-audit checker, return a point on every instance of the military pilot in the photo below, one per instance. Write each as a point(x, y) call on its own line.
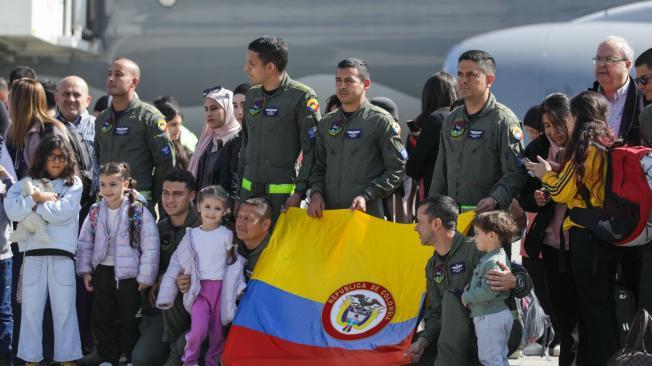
point(134, 132)
point(480, 146)
point(359, 157)
point(280, 122)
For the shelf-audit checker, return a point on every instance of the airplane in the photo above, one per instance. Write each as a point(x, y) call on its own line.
point(536, 60)
point(185, 46)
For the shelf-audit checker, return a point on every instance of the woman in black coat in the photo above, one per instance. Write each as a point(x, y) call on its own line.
point(438, 95)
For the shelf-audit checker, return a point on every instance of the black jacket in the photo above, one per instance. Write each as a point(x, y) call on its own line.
point(225, 170)
point(534, 236)
point(630, 130)
point(421, 163)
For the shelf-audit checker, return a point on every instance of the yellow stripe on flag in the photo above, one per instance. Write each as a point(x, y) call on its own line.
point(313, 258)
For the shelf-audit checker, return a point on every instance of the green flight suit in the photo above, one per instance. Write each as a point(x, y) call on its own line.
point(139, 138)
point(447, 321)
point(480, 157)
point(277, 127)
point(359, 155)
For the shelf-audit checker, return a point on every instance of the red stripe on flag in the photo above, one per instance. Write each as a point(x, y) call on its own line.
point(246, 347)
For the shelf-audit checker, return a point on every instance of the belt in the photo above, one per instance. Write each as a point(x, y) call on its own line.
point(262, 188)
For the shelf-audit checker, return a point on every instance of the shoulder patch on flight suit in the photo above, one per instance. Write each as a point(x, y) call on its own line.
point(162, 125)
point(517, 133)
point(396, 128)
point(312, 104)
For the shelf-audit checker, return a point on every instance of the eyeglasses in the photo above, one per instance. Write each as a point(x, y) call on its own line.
point(609, 60)
point(643, 80)
point(210, 90)
point(54, 157)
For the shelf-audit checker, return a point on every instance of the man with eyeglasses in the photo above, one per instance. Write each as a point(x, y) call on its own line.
point(481, 143)
point(643, 66)
point(613, 61)
point(280, 123)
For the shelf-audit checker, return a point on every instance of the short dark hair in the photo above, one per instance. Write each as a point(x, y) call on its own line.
point(169, 99)
point(499, 222)
point(532, 118)
point(50, 90)
point(443, 208)
point(101, 104)
point(263, 205)
point(21, 72)
point(181, 176)
point(486, 62)
point(241, 89)
point(168, 109)
point(356, 63)
point(644, 58)
point(271, 49)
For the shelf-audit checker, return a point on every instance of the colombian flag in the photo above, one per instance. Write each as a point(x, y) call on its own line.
point(344, 289)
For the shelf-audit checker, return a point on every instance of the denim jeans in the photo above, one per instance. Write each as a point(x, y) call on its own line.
point(493, 332)
point(6, 315)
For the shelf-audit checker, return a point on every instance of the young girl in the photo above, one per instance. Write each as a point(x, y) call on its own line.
point(48, 268)
point(118, 257)
point(491, 316)
point(208, 255)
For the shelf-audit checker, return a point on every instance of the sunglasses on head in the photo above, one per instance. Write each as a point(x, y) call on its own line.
point(210, 90)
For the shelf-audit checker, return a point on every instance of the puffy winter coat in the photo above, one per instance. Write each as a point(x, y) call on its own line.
point(140, 263)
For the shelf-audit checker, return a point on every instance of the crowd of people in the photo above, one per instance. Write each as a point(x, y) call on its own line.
point(88, 274)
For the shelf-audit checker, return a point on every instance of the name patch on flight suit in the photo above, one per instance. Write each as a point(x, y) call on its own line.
point(353, 134)
point(271, 112)
point(458, 128)
point(312, 133)
point(475, 134)
point(439, 274)
point(457, 268)
point(121, 131)
point(404, 154)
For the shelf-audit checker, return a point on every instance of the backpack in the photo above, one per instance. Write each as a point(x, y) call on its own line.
point(136, 221)
point(623, 219)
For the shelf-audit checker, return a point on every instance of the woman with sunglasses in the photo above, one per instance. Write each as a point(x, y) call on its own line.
point(215, 160)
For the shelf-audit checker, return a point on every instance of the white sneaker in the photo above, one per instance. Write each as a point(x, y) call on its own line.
point(533, 349)
point(556, 350)
point(105, 364)
point(516, 355)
